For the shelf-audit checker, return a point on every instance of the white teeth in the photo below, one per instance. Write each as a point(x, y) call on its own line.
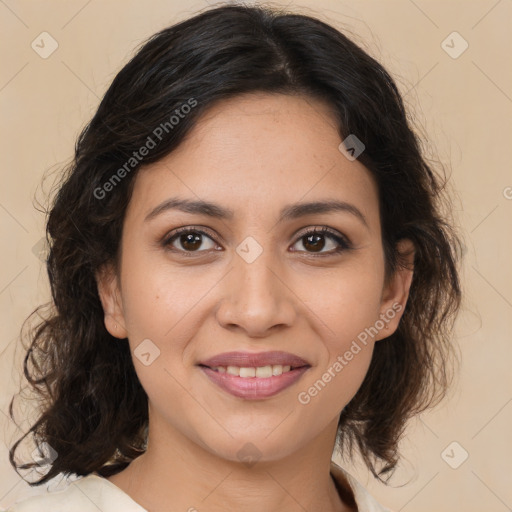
point(248, 372)
point(262, 371)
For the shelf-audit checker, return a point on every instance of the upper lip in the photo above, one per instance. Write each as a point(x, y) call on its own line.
point(253, 360)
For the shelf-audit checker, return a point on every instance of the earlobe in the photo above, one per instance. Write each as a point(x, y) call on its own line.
point(110, 297)
point(396, 290)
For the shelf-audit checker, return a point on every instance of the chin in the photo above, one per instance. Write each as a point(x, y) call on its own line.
point(249, 449)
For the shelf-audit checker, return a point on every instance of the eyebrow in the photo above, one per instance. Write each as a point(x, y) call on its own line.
point(289, 212)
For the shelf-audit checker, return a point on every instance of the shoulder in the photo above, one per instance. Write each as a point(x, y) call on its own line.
point(364, 501)
point(87, 494)
point(67, 500)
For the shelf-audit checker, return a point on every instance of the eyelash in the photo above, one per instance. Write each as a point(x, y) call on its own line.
point(343, 243)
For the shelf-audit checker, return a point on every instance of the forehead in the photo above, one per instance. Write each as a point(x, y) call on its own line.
point(256, 152)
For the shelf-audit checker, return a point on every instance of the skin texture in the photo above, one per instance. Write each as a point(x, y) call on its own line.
point(253, 154)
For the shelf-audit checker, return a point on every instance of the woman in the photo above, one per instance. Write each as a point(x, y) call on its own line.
point(249, 270)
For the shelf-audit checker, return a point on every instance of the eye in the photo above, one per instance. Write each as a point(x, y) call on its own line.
point(189, 239)
point(314, 241)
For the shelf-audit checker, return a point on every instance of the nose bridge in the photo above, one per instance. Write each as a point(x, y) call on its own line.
point(257, 277)
point(255, 271)
point(258, 298)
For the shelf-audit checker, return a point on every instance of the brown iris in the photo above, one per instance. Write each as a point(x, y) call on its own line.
point(191, 241)
point(317, 242)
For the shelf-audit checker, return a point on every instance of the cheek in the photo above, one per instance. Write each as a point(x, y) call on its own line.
point(346, 302)
point(158, 298)
point(160, 307)
point(348, 308)
point(347, 349)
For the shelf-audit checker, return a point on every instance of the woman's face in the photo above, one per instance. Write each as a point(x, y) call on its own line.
point(255, 280)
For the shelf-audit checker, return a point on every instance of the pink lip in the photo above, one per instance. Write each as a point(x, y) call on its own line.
point(254, 388)
point(253, 360)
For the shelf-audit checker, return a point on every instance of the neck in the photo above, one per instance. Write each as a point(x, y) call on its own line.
point(181, 475)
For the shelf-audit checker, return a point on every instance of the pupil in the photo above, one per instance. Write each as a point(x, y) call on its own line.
point(316, 247)
point(193, 239)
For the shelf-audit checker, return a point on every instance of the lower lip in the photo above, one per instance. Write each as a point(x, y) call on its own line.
point(254, 388)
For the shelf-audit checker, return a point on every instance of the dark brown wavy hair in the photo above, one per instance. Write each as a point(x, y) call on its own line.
point(93, 410)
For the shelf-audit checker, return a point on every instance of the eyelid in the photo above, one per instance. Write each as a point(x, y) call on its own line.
point(188, 229)
point(325, 230)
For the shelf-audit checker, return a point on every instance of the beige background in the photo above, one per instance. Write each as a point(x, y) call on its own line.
point(464, 104)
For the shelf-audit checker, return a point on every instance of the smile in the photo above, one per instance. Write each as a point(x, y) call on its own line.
point(254, 383)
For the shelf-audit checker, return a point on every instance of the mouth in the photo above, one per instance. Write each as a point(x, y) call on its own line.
point(254, 375)
point(248, 372)
point(262, 361)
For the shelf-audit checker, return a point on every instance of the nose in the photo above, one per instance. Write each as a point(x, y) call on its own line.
point(256, 297)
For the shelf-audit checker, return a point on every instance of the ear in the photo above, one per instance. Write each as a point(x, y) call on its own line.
point(110, 296)
point(396, 290)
